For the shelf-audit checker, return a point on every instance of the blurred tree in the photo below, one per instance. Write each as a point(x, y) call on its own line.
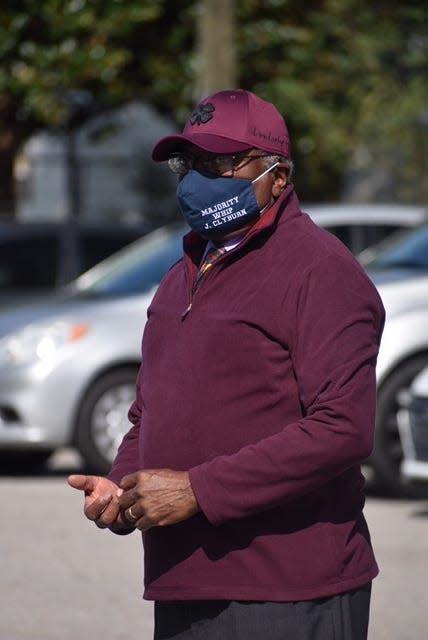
point(350, 76)
point(114, 50)
point(217, 64)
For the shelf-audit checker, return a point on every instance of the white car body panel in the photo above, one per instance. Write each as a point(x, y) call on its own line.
point(406, 325)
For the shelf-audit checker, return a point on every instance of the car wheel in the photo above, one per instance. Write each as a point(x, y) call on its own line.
point(103, 418)
point(387, 454)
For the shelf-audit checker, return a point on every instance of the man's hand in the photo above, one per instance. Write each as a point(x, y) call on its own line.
point(101, 501)
point(157, 498)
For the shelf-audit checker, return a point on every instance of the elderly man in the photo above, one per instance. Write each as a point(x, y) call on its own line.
point(255, 402)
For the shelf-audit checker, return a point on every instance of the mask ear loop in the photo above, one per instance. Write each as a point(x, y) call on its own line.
point(271, 201)
point(265, 172)
point(269, 204)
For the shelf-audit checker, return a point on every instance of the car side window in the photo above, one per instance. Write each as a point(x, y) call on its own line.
point(342, 232)
point(94, 247)
point(358, 237)
point(28, 263)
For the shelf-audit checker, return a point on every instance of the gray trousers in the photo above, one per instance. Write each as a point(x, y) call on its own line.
point(341, 617)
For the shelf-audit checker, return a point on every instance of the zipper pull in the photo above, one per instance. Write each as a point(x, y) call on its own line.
point(186, 311)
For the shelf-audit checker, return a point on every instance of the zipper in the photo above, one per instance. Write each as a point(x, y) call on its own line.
point(194, 289)
point(186, 311)
point(191, 294)
point(197, 284)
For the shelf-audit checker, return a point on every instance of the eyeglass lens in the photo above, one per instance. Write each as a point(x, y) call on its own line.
point(181, 163)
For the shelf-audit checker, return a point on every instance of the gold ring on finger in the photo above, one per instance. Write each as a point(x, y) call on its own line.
point(131, 516)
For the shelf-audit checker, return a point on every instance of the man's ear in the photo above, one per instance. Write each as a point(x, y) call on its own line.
point(280, 176)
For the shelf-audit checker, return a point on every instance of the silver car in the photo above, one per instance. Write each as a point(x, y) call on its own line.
point(360, 226)
point(68, 366)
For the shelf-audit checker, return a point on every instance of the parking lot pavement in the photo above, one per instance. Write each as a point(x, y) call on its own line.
point(62, 578)
point(399, 530)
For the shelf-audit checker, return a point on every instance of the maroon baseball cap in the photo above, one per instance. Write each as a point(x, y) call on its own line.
point(230, 122)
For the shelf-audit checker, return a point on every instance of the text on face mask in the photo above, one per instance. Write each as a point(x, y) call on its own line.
point(220, 206)
point(222, 219)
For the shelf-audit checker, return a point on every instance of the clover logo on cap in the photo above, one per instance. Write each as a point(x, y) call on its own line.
point(202, 114)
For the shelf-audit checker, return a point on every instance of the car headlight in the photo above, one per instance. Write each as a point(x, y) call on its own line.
point(39, 343)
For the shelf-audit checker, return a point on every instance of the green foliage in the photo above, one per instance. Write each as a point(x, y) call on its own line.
point(106, 47)
point(344, 73)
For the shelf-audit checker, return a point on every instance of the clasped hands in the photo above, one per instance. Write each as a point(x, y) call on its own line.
point(145, 499)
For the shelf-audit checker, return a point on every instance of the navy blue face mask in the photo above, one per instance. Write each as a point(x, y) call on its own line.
point(214, 205)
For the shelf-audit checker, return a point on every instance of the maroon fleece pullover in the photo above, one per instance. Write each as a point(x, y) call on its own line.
point(265, 390)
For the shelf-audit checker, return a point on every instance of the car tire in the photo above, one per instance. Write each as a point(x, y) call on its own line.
point(103, 418)
point(387, 454)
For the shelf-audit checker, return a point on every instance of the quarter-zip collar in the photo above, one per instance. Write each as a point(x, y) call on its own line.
point(194, 245)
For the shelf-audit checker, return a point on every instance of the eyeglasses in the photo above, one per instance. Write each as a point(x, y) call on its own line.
point(182, 163)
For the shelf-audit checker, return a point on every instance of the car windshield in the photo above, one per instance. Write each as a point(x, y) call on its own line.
point(136, 269)
point(408, 249)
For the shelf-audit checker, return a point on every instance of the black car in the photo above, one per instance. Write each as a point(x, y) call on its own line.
point(38, 258)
